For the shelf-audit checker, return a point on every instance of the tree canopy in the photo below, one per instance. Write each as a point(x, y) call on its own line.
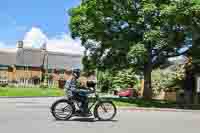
point(134, 33)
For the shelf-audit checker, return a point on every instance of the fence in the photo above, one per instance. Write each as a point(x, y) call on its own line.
point(28, 83)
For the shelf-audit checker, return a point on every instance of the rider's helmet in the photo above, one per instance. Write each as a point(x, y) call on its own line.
point(76, 73)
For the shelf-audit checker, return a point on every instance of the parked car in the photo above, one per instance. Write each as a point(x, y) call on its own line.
point(128, 93)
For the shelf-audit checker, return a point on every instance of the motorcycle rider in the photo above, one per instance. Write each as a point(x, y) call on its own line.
point(76, 93)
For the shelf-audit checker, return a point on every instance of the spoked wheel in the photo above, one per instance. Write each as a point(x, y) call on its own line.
point(105, 111)
point(62, 109)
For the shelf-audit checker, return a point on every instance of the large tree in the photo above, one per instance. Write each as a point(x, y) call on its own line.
point(127, 33)
point(186, 14)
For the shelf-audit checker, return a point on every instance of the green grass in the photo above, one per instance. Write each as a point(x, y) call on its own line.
point(121, 102)
point(30, 92)
point(124, 104)
point(142, 103)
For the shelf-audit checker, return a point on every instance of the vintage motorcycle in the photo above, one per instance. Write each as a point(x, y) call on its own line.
point(65, 108)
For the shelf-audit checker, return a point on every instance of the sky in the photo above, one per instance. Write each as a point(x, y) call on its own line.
point(37, 22)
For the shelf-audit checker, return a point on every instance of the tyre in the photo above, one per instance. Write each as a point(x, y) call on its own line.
point(62, 109)
point(105, 110)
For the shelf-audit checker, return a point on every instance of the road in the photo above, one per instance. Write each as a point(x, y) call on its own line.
point(31, 115)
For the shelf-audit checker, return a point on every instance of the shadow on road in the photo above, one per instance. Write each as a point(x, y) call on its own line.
point(89, 120)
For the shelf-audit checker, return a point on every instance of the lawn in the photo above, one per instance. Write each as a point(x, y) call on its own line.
point(30, 92)
point(124, 104)
point(142, 103)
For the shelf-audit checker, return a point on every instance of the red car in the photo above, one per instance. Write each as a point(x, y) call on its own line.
point(128, 93)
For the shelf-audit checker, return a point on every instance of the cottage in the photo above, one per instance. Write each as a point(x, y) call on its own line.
point(23, 63)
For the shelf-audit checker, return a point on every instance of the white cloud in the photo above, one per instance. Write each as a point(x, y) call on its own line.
point(64, 43)
point(60, 43)
point(34, 38)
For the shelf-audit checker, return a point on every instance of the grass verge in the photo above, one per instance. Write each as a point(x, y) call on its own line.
point(120, 102)
point(12, 92)
point(142, 103)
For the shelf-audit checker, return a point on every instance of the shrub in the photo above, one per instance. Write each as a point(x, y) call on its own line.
point(118, 80)
point(3, 84)
point(169, 79)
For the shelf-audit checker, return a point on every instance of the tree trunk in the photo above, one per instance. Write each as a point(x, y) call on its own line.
point(194, 54)
point(147, 93)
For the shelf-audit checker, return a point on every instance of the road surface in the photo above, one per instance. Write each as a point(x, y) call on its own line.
point(32, 115)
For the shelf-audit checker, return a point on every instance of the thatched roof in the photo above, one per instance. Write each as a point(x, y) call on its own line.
point(7, 57)
point(35, 56)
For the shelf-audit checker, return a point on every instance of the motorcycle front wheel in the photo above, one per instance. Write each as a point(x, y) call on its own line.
point(105, 110)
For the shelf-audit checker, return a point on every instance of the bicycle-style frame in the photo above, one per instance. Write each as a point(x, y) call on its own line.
point(94, 102)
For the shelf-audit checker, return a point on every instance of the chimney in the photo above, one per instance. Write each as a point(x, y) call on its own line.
point(20, 44)
point(44, 46)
